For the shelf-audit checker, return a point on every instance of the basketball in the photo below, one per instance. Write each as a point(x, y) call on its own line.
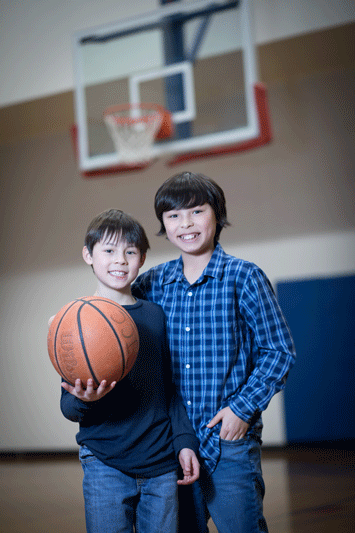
point(93, 337)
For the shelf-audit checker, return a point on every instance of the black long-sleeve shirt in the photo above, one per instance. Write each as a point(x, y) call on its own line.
point(141, 425)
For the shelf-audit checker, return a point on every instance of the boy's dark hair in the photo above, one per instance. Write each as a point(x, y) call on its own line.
point(116, 223)
point(186, 190)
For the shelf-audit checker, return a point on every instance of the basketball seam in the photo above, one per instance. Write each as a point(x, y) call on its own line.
point(55, 342)
point(107, 300)
point(83, 345)
point(114, 332)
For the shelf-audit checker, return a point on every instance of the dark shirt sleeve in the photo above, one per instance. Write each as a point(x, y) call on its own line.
point(74, 409)
point(141, 286)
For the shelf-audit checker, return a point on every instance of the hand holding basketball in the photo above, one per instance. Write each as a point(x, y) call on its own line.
point(88, 393)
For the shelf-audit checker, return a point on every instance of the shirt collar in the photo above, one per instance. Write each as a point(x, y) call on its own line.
point(214, 269)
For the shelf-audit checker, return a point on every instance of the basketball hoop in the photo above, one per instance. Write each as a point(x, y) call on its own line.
point(133, 129)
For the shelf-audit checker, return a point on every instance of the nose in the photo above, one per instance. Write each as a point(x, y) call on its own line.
point(186, 221)
point(120, 258)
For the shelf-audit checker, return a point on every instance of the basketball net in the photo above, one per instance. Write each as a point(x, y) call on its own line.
point(133, 129)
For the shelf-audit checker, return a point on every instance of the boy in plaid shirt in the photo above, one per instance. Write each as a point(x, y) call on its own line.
point(231, 351)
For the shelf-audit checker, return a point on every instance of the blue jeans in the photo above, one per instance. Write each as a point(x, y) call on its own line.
point(232, 495)
point(115, 502)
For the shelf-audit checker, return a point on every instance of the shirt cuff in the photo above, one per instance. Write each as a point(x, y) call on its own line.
point(186, 441)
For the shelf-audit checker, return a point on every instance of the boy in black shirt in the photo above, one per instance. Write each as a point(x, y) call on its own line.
point(131, 433)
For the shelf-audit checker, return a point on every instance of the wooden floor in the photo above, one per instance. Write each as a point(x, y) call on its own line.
point(308, 490)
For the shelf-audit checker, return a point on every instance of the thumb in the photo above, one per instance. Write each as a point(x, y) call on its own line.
point(217, 418)
point(187, 468)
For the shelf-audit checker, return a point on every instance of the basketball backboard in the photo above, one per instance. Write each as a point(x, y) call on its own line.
point(196, 59)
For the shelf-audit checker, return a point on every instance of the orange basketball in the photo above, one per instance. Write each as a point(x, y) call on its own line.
point(93, 337)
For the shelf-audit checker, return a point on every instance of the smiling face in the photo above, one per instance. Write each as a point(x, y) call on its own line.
point(192, 230)
point(116, 264)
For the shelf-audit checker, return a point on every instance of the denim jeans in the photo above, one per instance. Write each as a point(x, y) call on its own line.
point(233, 493)
point(116, 502)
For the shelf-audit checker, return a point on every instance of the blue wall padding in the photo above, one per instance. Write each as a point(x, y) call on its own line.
point(320, 391)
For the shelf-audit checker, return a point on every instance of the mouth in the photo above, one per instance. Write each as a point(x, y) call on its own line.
point(189, 237)
point(118, 273)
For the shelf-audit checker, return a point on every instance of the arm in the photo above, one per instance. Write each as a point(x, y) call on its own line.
point(272, 349)
point(141, 287)
point(148, 286)
point(78, 403)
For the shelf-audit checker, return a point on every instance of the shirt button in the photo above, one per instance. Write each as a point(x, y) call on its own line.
point(189, 403)
point(189, 293)
point(187, 328)
point(187, 366)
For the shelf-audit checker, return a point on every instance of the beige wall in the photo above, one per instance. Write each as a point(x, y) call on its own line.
point(291, 205)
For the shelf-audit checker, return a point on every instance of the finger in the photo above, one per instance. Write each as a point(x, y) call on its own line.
point(228, 433)
point(68, 387)
point(188, 480)
point(78, 386)
point(101, 387)
point(214, 421)
point(184, 462)
point(239, 435)
point(195, 474)
point(89, 386)
point(186, 470)
point(185, 481)
point(226, 436)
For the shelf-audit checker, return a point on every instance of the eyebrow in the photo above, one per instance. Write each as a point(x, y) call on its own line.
point(184, 208)
point(114, 243)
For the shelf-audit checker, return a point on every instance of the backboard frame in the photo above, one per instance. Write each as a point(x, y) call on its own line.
point(92, 164)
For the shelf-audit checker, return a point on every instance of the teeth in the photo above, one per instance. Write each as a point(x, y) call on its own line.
point(117, 273)
point(188, 237)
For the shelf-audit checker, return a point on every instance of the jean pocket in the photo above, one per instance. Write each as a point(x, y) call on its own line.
point(238, 442)
point(85, 455)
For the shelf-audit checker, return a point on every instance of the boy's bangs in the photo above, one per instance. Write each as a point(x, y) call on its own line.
point(184, 199)
point(113, 226)
point(115, 234)
point(111, 235)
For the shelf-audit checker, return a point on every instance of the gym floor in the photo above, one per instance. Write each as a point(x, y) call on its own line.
point(308, 490)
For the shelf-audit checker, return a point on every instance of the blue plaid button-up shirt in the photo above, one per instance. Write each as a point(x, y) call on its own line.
point(229, 342)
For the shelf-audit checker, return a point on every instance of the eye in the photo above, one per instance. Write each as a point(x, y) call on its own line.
point(108, 250)
point(132, 249)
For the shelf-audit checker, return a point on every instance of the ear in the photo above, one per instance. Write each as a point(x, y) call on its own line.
point(87, 256)
point(143, 256)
